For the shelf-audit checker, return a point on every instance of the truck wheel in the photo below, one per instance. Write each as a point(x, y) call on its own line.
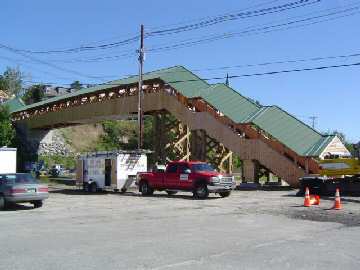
point(38, 204)
point(145, 189)
point(93, 187)
point(171, 192)
point(201, 191)
point(2, 202)
point(225, 194)
point(86, 187)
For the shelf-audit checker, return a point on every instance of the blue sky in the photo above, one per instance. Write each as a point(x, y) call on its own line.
point(332, 95)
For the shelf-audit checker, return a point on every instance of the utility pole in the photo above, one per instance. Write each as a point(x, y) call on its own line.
point(140, 92)
point(313, 119)
point(227, 79)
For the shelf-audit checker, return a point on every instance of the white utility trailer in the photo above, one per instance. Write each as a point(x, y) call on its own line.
point(110, 170)
point(7, 160)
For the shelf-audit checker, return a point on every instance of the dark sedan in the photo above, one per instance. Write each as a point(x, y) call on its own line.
point(20, 188)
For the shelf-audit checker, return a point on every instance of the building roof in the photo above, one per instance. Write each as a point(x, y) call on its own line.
point(229, 102)
point(14, 104)
point(276, 122)
point(286, 128)
point(3, 94)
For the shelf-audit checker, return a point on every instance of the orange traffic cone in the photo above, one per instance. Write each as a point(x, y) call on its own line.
point(337, 204)
point(314, 199)
point(307, 202)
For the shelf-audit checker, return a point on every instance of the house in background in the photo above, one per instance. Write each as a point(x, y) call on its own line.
point(54, 91)
point(3, 96)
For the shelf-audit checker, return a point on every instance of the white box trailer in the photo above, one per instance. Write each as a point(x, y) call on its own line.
point(7, 160)
point(110, 170)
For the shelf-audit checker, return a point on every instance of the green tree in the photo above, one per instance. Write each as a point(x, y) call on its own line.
point(34, 94)
point(12, 81)
point(76, 85)
point(3, 85)
point(7, 132)
point(123, 135)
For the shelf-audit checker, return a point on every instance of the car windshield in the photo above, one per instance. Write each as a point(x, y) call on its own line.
point(202, 167)
point(18, 179)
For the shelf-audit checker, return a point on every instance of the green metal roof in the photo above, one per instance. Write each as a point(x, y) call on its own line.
point(14, 104)
point(320, 146)
point(229, 102)
point(178, 77)
point(273, 120)
point(286, 129)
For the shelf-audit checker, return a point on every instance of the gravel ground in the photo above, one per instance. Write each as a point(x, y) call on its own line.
point(248, 230)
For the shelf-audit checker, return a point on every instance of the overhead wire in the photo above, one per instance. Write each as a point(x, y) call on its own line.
point(304, 21)
point(356, 64)
point(235, 16)
point(262, 30)
point(207, 17)
point(8, 48)
point(216, 19)
point(205, 23)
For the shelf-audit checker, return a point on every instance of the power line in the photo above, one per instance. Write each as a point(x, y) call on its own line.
point(24, 63)
point(202, 24)
point(349, 10)
point(240, 75)
point(275, 72)
point(262, 30)
point(235, 16)
point(99, 59)
point(221, 68)
point(85, 48)
point(207, 17)
point(8, 48)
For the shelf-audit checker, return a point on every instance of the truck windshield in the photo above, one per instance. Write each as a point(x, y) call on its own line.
point(202, 167)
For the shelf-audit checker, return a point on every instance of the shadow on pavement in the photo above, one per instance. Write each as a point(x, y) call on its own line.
point(76, 192)
point(255, 187)
point(18, 207)
point(157, 195)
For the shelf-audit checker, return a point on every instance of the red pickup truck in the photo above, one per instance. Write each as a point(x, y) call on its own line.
point(197, 177)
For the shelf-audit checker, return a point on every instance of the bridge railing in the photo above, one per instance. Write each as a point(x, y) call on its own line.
point(196, 104)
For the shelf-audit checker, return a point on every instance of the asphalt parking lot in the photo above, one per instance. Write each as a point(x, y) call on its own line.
point(248, 230)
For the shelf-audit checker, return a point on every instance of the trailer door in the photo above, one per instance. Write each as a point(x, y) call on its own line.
point(108, 172)
point(80, 172)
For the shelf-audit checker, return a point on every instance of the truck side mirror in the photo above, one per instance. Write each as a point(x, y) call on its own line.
point(187, 171)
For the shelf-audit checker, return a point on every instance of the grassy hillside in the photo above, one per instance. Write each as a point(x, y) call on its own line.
point(83, 138)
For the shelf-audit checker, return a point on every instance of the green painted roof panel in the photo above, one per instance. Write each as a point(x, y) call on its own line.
point(229, 102)
point(286, 129)
point(14, 104)
point(320, 146)
point(178, 77)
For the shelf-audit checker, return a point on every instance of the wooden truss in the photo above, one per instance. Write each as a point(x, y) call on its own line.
point(173, 140)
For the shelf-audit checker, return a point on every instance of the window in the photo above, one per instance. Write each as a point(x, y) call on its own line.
point(172, 168)
point(202, 167)
point(11, 179)
point(183, 167)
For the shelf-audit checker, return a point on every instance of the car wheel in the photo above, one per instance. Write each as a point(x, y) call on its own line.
point(93, 188)
point(38, 204)
point(145, 189)
point(171, 192)
point(2, 202)
point(201, 191)
point(225, 194)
